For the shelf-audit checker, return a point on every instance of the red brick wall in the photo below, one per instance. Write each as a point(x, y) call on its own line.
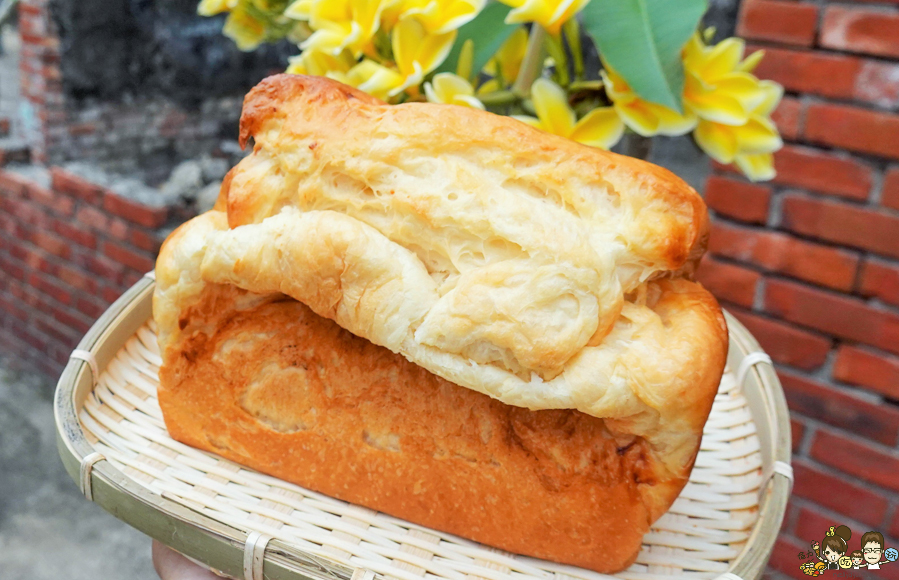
point(810, 261)
point(66, 253)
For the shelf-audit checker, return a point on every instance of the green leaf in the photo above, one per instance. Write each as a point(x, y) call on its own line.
point(487, 31)
point(642, 41)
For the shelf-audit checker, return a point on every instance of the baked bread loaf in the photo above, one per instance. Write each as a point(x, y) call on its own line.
point(448, 316)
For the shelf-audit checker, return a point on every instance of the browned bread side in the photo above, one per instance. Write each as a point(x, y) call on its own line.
point(261, 380)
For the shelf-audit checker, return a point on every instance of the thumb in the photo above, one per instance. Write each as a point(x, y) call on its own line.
point(170, 565)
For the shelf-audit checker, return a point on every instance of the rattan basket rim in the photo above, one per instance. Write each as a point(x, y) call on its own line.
point(221, 546)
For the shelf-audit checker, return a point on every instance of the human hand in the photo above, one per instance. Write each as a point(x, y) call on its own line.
point(170, 565)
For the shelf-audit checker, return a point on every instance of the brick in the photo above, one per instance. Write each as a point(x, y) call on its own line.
point(728, 282)
point(784, 254)
point(783, 557)
point(76, 321)
point(878, 83)
point(51, 243)
point(77, 279)
point(894, 526)
point(27, 212)
point(130, 258)
point(889, 197)
point(788, 118)
point(74, 185)
point(822, 172)
point(12, 184)
point(89, 308)
point(853, 128)
point(797, 431)
point(108, 270)
point(93, 217)
point(860, 30)
point(52, 202)
point(833, 314)
point(11, 269)
point(739, 200)
point(817, 73)
point(845, 224)
point(839, 409)
point(145, 241)
point(144, 215)
point(880, 280)
point(50, 289)
point(13, 307)
point(867, 368)
point(75, 233)
point(865, 462)
point(831, 492)
point(110, 294)
point(58, 332)
point(118, 229)
point(785, 343)
point(786, 22)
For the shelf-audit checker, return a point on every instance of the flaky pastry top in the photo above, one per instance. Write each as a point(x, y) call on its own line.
point(541, 272)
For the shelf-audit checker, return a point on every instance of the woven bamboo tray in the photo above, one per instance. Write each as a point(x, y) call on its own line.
point(243, 524)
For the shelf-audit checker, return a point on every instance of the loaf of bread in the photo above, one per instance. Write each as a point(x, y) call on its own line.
point(448, 316)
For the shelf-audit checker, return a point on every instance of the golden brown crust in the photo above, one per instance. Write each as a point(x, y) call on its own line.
point(275, 387)
point(316, 112)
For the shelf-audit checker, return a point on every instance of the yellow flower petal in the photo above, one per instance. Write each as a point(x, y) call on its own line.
point(489, 87)
point(723, 58)
point(509, 56)
point(442, 16)
point(213, 7)
point(759, 135)
point(246, 31)
point(300, 9)
point(313, 62)
point(451, 89)
point(373, 78)
point(713, 104)
point(416, 52)
point(550, 14)
point(601, 127)
point(532, 121)
point(758, 167)
point(718, 141)
point(551, 105)
point(751, 61)
point(772, 92)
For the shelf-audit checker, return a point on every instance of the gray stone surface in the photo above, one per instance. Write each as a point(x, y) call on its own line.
point(48, 531)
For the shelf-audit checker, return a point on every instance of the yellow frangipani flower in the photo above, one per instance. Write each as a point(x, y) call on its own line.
point(717, 83)
point(416, 52)
point(438, 16)
point(452, 90)
point(506, 63)
point(644, 117)
point(213, 7)
point(601, 127)
point(375, 79)
point(315, 62)
point(244, 29)
point(339, 24)
point(750, 145)
point(550, 14)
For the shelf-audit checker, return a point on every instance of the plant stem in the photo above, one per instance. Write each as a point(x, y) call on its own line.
point(573, 33)
point(498, 98)
point(532, 65)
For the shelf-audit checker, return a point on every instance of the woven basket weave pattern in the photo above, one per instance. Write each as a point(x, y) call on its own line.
point(704, 531)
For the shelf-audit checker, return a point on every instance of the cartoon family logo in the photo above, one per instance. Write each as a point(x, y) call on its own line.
point(831, 553)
